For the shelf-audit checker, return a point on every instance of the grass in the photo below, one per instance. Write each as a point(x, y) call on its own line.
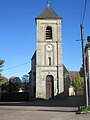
point(84, 109)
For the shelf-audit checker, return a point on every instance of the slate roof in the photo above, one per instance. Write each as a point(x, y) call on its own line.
point(34, 56)
point(74, 74)
point(48, 13)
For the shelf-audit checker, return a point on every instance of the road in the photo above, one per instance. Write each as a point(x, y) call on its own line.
point(41, 110)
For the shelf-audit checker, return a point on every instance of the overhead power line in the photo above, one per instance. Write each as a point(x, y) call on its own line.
point(84, 12)
point(16, 66)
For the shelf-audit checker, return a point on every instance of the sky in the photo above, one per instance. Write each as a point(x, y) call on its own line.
point(18, 32)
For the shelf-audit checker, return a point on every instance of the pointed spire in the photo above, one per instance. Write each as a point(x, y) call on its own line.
point(48, 13)
point(48, 2)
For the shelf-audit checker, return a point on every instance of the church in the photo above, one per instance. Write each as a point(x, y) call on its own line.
point(48, 76)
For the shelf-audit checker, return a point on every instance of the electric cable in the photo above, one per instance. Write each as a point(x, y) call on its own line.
point(17, 66)
point(84, 12)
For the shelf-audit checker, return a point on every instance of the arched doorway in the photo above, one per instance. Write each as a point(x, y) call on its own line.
point(49, 86)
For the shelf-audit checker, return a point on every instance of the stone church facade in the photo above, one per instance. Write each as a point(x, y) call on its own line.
point(47, 70)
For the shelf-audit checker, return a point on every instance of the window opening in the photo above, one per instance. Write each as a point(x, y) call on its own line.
point(48, 32)
point(49, 60)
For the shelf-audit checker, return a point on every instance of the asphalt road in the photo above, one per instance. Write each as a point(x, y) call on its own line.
point(42, 110)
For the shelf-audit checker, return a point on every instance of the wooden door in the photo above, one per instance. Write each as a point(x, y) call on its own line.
point(49, 87)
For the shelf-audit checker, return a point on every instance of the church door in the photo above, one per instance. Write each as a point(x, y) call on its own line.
point(49, 87)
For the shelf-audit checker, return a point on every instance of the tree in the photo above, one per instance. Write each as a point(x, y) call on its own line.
point(25, 78)
point(3, 80)
point(25, 82)
point(14, 84)
point(1, 64)
point(78, 83)
point(3, 83)
point(81, 72)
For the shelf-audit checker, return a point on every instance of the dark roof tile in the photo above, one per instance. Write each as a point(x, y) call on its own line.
point(74, 74)
point(48, 13)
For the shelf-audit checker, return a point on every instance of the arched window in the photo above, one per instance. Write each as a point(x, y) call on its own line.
point(48, 32)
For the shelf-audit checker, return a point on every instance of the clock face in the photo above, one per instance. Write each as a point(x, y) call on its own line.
point(49, 47)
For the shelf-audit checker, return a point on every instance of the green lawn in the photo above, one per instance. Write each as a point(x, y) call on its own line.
point(85, 109)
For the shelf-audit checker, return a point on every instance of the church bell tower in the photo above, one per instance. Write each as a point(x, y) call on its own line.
point(49, 67)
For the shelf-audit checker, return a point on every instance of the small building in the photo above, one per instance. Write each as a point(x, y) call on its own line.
point(73, 75)
point(87, 55)
point(71, 91)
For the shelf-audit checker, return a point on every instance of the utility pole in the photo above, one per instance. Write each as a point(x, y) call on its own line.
point(84, 65)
